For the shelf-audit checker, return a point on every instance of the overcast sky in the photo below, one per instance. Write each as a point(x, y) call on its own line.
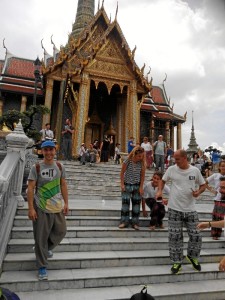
point(184, 39)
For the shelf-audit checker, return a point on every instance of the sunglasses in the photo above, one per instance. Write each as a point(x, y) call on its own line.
point(139, 151)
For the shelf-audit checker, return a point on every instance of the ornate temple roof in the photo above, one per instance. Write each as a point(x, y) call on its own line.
point(79, 53)
point(17, 75)
point(158, 104)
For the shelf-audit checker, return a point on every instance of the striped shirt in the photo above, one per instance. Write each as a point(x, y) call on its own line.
point(132, 174)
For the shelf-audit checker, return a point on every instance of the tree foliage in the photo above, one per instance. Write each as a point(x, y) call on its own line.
point(27, 119)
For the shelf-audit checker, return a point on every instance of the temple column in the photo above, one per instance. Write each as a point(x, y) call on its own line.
point(179, 143)
point(119, 125)
point(58, 127)
point(23, 105)
point(132, 112)
point(167, 133)
point(1, 107)
point(82, 113)
point(152, 131)
point(172, 137)
point(48, 101)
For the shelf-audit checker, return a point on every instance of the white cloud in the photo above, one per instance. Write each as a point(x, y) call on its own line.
point(183, 38)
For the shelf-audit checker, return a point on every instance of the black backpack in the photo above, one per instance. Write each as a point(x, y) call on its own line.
point(6, 294)
point(143, 295)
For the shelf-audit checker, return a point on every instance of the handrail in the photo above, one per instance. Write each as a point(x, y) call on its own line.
point(11, 180)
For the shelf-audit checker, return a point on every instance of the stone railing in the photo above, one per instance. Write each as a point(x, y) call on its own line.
point(11, 180)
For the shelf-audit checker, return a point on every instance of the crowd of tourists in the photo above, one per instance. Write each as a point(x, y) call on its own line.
point(47, 193)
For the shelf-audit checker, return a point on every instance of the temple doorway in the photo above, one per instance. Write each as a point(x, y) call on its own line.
point(102, 113)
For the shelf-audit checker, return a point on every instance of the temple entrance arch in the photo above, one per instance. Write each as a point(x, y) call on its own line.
point(104, 111)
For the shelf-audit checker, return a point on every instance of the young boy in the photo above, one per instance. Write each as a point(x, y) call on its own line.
point(47, 188)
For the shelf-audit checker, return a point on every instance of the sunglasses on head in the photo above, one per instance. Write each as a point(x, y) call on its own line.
point(139, 151)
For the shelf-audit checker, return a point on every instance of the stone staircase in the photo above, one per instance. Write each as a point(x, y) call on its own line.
point(96, 260)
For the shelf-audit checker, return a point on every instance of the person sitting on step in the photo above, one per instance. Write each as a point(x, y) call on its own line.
point(156, 206)
point(91, 154)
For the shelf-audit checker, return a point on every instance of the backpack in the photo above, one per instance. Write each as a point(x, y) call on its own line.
point(155, 145)
point(143, 295)
point(6, 294)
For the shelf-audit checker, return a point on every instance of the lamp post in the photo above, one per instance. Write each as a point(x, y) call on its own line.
point(37, 77)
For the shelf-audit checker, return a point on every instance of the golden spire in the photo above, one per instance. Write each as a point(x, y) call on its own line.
point(85, 13)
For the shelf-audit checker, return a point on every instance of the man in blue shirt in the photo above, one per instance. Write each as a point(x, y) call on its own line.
point(130, 144)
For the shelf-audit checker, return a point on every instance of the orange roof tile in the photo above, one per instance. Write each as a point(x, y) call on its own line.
point(157, 95)
point(20, 67)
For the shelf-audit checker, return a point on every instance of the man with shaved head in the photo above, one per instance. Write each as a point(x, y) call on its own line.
point(187, 184)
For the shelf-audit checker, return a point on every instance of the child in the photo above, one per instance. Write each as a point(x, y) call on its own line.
point(219, 205)
point(117, 154)
point(156, 205)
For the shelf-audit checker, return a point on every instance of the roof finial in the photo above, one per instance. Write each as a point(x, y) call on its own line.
point(4, 46)
point(192, 120)
point(165, 78)
point(7, 53)
point(98, 4)
point(46, 55)
point(102, 3)
point(55, 50)
point(116, 11)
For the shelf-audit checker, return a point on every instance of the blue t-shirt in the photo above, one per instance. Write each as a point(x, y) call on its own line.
point(129, 146)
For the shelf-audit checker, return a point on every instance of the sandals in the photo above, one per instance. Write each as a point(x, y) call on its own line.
point(135, 226)
point(152, 227)
point(122, 225)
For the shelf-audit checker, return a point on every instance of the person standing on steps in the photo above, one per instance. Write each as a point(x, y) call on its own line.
point(130, 145)
point(217, 224)
point(148, 152)
point(67, 140)
point(187, 184)
point(132, 177)
point(160, 150)
point(47, 133)
point(213, 183)
point(47, 188)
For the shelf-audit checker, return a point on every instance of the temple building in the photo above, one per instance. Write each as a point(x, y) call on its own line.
point(95, 81)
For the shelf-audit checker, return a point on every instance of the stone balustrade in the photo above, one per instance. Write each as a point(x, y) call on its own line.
point(11, 180)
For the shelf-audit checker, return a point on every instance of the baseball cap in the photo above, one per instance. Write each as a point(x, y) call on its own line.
point(48, 144)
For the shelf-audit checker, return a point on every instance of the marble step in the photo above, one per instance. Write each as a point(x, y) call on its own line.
point(205, 290)
point(98, 232)
point(106, 221)
point(64, 278)
point(102, 259)
point(108, 244)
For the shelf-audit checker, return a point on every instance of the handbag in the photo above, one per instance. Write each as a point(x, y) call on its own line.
point(143, 295)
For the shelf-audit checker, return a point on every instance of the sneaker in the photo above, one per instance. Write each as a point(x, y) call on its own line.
point(196, 265)
point(176, 268)
point(50, 254)
point(42, 274)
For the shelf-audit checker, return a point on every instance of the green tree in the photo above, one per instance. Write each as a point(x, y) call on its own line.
point(27, 119)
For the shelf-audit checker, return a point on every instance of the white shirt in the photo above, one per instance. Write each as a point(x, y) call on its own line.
point(150, 191)
point(47, 133)
point(183, 183)
point(146, 146)
point(214, 180)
